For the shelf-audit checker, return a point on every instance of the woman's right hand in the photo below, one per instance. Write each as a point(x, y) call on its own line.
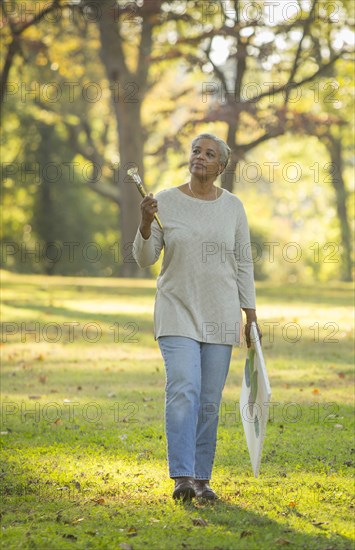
point(149, 207)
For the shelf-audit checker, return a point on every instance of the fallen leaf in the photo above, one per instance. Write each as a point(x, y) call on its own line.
point(99, 500)
point(245, 534)
point(199, 521)
point(42, 379)
point(70, 536)
point(79, 520)
point(56, 422)
point(40, 357)
point(292, 504)
point(315, 391)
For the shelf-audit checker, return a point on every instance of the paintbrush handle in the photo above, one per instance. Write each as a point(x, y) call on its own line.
point(140, 188)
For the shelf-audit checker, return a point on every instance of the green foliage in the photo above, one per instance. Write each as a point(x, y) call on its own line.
point(52, 223)
point(76, 129)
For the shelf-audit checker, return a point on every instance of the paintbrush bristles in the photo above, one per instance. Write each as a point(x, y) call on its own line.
point(132, 171)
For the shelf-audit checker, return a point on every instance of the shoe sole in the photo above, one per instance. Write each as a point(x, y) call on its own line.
point(184, 494)
point(205, 497)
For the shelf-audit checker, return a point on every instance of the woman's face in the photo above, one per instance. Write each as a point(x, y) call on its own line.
point(205, 159)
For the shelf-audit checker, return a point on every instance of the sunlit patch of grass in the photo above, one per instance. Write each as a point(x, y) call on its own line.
point(83, 446)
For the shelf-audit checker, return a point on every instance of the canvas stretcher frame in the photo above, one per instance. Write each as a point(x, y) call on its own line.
point(255, 398)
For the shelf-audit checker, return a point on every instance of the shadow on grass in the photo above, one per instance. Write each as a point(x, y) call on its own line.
point(321, 295)
point(144, 519)
point(329, 346)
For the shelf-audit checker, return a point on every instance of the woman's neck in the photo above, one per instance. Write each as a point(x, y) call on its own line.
point(202, 186)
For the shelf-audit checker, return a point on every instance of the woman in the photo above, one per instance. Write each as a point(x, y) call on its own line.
point(206, 278)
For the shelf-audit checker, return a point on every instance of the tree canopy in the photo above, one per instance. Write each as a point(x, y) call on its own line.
point(89, 89)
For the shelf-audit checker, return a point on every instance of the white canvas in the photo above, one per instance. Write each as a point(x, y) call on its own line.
point(254, 400)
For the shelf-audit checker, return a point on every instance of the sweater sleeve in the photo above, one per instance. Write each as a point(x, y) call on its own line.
point(147, 251)
point(243, 252)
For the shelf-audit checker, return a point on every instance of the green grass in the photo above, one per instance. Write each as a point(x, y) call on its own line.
point(83, 460)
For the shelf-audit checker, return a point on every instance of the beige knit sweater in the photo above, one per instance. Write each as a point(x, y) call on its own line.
point(207, 271)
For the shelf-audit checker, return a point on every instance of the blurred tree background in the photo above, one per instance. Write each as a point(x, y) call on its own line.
point(90, 88)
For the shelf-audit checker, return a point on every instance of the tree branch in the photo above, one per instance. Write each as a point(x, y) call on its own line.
point(241, 67)
point(276, 132)
point(36, 19)
point(106, 191)
point(299, 50)
point(216, 70)
point(292, 85)
point(14, 46)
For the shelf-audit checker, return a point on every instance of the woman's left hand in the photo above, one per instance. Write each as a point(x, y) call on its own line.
point(247, 332)
point(251, 318)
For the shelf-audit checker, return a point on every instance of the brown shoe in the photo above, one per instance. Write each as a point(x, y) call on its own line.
point(203, 490)
point(184, 488)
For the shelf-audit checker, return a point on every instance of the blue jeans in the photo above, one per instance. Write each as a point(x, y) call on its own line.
point(195, 376)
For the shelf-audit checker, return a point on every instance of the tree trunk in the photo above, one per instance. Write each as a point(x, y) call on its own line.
point(131, 152)
point(334, 148)
point(127, 95)
point(44, 212)
point(228, 177)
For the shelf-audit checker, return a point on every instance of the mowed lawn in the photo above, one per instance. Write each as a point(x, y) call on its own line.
point(83, 460)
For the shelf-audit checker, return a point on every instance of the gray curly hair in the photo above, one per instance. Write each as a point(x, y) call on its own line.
point(224, 150)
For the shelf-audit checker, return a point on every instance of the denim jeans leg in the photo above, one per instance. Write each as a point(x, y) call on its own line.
point(183, 387)
point(215, 360)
